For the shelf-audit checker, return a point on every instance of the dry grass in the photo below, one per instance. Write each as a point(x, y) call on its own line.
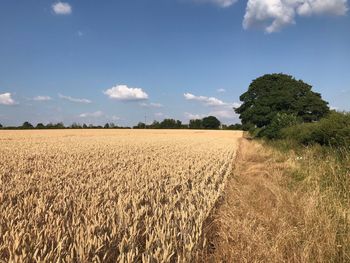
point(278, 209)
point(93, 196)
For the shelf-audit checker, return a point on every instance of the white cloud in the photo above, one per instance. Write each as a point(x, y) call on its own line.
point(123, 92)
point(221, 3)
point(156, 105)
point(62, 8)
point(42, 98)
point(209, 101)
point(95, 114)
point(273, 15)
point(333, 108)
point(114, 118)
point(220, 114)
point(159, 114)
point(192, 116)
point(151, 105)
point(74, 99)
point(6, 99)
point(221, 90)
point(224, 114)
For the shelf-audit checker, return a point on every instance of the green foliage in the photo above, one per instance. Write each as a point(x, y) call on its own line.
point(166, 124)
point(279, 122)
point(333, 130)
point(76, 125)
point(170, 124)
point(196, 124)
point(210, 122)
point(58, 125)
point(234, 127)
point(140, 125)
point(27, 125)
point(0, 125)
point(40, 126)
point(279, 93)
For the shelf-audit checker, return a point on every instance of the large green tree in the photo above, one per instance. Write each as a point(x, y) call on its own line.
point(210, 122)
point(280, 93)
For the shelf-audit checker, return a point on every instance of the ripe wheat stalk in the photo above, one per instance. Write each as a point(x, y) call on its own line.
point(109, 196)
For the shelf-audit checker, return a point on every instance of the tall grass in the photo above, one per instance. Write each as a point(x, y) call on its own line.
point(283, 204)
point(324, 173)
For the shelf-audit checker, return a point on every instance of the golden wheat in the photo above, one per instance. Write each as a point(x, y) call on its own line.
point(109, 195)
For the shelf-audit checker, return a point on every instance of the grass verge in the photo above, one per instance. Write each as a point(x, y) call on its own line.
point(283, 205)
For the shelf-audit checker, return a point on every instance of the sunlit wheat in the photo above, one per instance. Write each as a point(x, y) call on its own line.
point(109, 196)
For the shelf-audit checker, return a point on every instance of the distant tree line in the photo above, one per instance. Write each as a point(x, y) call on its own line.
point(209, 122)
point(27, 126)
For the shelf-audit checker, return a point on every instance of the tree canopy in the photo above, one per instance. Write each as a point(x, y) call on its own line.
point(280, 93)
point(210, 122)
point(27, 125)
point(195, 124)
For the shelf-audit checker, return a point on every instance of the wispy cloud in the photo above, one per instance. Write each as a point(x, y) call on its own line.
point(62, 8)
point(86, 101)
point(221, 90)
point(224, 114)
point(193, 116)
point(273, 15)
point(221, 114)
point(151, 105)
point(221, 3)
point(95, 114)
point(123, 92)
point(209, 101)
point(114, 118)
point(42, 98)
point(159, 114)
point(6, 99)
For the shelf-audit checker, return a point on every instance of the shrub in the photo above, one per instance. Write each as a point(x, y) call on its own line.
point(280, 121)
point(333, 130)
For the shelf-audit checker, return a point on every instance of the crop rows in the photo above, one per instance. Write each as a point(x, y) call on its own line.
point(109, 196)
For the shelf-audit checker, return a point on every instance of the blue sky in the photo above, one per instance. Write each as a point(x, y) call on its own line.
point(91, 61)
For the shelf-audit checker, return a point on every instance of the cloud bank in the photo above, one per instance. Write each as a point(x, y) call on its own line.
point(273, 15)
point(123, 92)
point(61, 8)
point(6, 99)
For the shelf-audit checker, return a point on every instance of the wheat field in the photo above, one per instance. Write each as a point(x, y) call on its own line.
point(109, 195)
